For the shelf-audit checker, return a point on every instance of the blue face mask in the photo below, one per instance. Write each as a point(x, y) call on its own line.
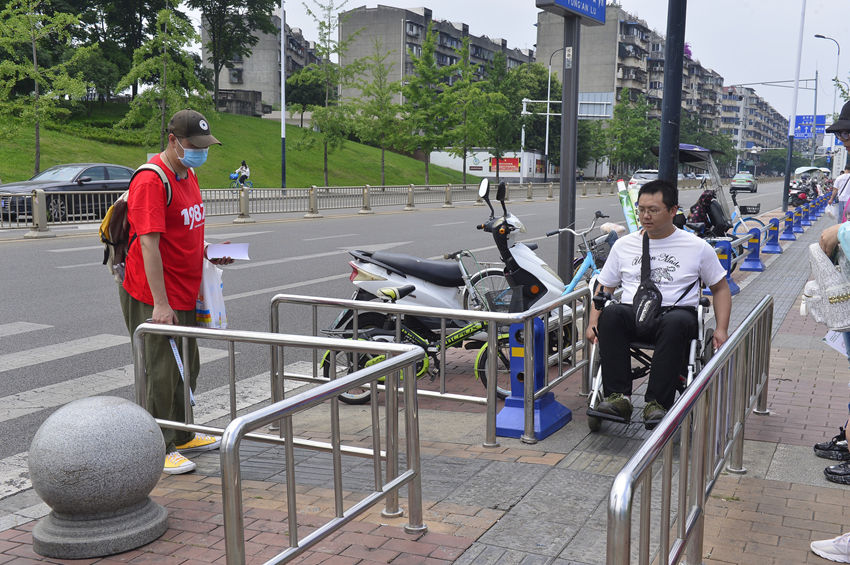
point(192, 157)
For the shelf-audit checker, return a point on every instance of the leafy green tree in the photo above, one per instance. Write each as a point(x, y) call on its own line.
point(304, 90)
point(97, 69)
point(592, 145)
point(503, 127)
point(165, 62)
point(631, 134)
point(331, 121)
point(427, 116)
point(469, 101)
point(25, 26)
point(376, 121)
point(231, 27)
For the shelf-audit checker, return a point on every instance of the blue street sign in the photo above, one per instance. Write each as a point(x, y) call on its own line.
point(803, 125)
point(591, 11)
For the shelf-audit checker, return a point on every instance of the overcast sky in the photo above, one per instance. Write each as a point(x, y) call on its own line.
point(743, 40)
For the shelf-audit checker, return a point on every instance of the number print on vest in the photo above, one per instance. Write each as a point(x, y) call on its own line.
point(193, 216)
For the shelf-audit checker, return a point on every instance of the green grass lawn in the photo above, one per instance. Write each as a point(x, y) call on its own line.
point(255, 140)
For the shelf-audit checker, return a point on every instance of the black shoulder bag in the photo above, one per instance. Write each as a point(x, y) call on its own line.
point(647, 300)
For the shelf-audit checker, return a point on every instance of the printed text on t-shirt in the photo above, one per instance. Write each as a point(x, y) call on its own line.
point(193, 215)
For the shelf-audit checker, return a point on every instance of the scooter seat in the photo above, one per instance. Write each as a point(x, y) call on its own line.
point(442, 273)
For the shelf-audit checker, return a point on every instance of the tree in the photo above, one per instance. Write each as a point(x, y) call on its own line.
point(231, 27)
point(330, 121)
point(592, 145)
point(466, 98)
point(164, 61)
point(305, 89)
point(426, 112)
point(502, 130)
point(631, 134)
point(377, 115)
point(25, 26)
point(97, 69)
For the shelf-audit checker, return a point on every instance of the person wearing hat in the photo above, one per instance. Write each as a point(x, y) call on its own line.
point(163, 273)
point(841, 193)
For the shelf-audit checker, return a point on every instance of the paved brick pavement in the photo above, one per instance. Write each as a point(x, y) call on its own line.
point(528, 504)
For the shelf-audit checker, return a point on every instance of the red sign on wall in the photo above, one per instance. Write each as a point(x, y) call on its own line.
point(506, 165)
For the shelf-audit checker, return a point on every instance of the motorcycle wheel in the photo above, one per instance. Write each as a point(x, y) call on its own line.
point(345, 360)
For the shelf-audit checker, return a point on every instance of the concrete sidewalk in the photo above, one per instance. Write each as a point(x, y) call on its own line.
point(529, 504)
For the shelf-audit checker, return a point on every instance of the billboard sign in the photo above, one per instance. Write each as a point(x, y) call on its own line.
point(803, 125)
point(590, 11)
point(506, 165)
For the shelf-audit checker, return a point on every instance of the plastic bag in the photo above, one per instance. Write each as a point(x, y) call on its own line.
point(827, 298)
point(832, 210)
point(209, 308)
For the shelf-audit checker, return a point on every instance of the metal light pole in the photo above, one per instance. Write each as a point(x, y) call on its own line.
point(837, 59)
point(787, 183)
point(548, 97)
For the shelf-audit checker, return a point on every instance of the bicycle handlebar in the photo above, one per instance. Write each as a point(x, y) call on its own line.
point(576, 233)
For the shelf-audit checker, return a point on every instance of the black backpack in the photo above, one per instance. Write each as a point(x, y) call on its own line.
point(115, 227)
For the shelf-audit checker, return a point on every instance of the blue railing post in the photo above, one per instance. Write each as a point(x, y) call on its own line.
point(798, 216)
point(806, 220)
point(771, 242)
point(817, 208)
point(788, 233)
point(753, 262)
point(724, 254)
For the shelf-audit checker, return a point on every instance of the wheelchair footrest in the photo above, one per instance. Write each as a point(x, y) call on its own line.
point(607, 416)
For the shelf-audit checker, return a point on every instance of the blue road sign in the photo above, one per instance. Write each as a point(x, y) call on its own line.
point(591, 11)
point(803, 125)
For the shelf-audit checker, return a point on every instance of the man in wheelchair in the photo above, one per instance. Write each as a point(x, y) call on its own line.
point(679, 260)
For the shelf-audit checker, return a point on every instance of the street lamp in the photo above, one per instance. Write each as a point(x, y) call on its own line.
point(837, 59)
point(548, 97)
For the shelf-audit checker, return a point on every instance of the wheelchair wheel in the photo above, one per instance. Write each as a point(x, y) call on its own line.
point(707, 348)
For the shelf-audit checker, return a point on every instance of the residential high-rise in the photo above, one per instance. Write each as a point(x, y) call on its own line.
point(401, 32)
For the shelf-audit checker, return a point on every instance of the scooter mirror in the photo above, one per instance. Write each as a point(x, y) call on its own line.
point(483, 188)
point(501, 192)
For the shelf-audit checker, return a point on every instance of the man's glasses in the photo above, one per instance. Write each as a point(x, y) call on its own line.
point(843, 135)
point(650, 211)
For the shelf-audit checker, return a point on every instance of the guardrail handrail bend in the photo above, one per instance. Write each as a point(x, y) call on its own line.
point(634, 472)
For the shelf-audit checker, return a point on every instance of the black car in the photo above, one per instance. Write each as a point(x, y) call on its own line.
point(63, 186)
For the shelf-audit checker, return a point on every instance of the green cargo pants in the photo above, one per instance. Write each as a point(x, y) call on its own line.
point(164, 388)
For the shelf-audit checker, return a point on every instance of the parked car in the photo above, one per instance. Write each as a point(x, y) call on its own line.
point(59, 183)
point(642, 176)
point(744, 181)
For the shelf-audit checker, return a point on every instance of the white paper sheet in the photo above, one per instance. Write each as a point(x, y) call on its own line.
point(232, 250)
point(835, 341)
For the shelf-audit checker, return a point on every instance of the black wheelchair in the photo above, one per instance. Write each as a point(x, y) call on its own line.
point(701, 350)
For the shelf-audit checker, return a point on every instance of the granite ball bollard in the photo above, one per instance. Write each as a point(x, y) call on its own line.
point(94, 462)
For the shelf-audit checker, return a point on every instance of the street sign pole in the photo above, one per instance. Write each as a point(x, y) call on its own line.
point(671, 100)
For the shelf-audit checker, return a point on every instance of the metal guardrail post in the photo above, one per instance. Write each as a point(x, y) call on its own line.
point(490, 427)
point(764, 357)
point(314, 203)
point(243, 217)
point(367, 208)
point(740, 397)
point(587, 373)
point(39, 217)
point(551, 193)
point(528, 383)
point(695, 543)
point(530, 194)
point(613, 188)
point(414, 524)
point(391, 509)
point(583, 189)
point(410, 204)
point(448, 203)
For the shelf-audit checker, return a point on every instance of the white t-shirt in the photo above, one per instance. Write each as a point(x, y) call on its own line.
point(842, 184)
point(675, 262)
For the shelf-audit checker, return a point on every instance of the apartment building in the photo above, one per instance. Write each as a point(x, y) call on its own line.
point(252, 84)
point(627, 53)
point(401, 32)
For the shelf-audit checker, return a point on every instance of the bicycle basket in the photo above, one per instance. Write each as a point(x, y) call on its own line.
point(600, 246)
point(233, 176)
point(750, 209)
point(498, 300)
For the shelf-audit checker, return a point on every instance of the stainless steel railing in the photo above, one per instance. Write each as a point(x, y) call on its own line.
point(708, 421)
point(570, 311)
point(398, 357)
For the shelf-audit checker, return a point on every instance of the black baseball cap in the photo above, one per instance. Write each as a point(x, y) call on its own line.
point(192, 125)
point(843, 121)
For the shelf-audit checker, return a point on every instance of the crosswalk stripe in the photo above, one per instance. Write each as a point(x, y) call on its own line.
point(16, 328)
point(213, 404)
point(47, 353)
point(50, 396)
point(69, 249)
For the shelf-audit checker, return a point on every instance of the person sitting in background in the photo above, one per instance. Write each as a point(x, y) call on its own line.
point(243, 173)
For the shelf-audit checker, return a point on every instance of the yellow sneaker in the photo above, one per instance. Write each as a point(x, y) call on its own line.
point(176, 464)
point(201, 442)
